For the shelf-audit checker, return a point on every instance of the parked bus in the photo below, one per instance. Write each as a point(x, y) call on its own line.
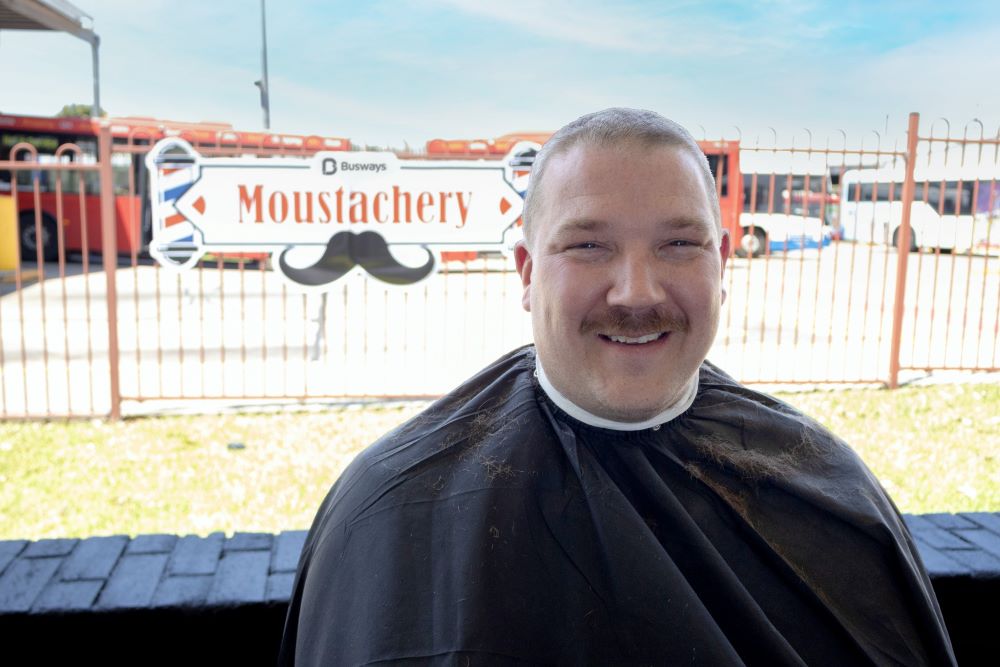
point(131, 139)
point(788, 203)
point(723, 159)
point(953, 208)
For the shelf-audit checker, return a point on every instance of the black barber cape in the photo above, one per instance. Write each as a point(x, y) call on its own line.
point(495, 529)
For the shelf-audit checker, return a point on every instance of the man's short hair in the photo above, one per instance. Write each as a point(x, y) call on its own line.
point(614, 127)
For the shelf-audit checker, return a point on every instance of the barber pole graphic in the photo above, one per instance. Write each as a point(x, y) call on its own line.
point(359, 209)
point(173, 242)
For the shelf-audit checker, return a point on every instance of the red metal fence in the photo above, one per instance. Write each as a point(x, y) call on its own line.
point(820, 293)
point(860, 309)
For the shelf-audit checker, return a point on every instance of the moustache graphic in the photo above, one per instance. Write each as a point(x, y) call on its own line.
point(621, 321)
point(345, 250)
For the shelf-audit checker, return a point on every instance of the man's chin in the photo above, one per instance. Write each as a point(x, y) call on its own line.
point(628, 410)
point(636, 403)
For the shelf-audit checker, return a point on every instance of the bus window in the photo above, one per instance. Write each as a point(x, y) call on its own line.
point(809, 182)
point(121, 166)
point(958, 198)
point(26, 177)
point(757, 193)
point(988, 198)
point(719, 164)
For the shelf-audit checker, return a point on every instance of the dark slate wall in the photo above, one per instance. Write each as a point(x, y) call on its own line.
point(164, 599)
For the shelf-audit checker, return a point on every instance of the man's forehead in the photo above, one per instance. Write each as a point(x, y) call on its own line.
point(588, 170)
point(603, 164)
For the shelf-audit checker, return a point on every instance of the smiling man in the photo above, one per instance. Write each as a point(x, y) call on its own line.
point(622, 269)
point(607, 496)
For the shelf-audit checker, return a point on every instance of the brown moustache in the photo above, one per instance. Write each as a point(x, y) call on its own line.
point(619, 321)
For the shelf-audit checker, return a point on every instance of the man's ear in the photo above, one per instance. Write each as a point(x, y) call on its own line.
point(724, 255)
point(522, 260)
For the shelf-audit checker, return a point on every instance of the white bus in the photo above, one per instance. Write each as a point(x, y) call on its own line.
point(955, 209)
point(788, 203)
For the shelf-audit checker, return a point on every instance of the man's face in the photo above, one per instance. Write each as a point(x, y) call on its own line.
point(622, 276)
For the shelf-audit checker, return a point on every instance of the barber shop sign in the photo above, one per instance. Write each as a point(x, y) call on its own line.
point(333, 214)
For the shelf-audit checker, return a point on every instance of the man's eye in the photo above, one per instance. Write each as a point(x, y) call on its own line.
point(681, 248)
point(587, 245)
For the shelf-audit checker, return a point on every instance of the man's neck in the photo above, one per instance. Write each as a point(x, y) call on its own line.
point(575, 411)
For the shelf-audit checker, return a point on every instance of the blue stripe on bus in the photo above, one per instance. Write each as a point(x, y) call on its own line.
point(797, 243)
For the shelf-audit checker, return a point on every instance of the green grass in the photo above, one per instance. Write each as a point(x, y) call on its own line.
point(936, 449)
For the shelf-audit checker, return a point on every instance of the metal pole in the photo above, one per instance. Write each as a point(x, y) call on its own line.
point(903, 249)
point(109, 245)
point(95, 45)
point(265, 100)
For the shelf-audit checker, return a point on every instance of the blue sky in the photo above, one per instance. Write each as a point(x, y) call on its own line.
point(388, 72)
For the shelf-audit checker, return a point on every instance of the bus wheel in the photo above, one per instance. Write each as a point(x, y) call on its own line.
point(30, 240)
point(913, 240)
point(752, 244)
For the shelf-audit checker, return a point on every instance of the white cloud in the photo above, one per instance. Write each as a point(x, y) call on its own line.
point(690, 29)
point(43, 71)
point(952, 75)
point(383, 74)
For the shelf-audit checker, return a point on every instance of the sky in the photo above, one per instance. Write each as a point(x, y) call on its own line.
point(399, 72)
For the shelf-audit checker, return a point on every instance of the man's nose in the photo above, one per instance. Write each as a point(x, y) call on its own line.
point(636, 283)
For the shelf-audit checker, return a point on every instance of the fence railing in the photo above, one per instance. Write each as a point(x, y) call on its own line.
point(822, 290)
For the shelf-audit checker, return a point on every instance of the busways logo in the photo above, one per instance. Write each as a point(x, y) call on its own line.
point(329, 166)
point(357, 207)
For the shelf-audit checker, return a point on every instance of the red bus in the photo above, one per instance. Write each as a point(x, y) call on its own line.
point(132, 137)
point(723, 158)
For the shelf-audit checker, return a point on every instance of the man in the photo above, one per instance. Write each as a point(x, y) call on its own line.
point(608, 496)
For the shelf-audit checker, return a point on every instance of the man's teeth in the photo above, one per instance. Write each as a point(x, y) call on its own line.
point(648, 338)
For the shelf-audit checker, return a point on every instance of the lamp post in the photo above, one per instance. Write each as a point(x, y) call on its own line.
point(265, 101)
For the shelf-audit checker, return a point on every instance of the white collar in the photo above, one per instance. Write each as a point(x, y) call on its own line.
point(575, 411)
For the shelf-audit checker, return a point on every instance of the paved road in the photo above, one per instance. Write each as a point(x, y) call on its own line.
point(812, 316)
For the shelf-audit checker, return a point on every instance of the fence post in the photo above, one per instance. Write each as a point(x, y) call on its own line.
point(109, 250)
point(903, 250)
